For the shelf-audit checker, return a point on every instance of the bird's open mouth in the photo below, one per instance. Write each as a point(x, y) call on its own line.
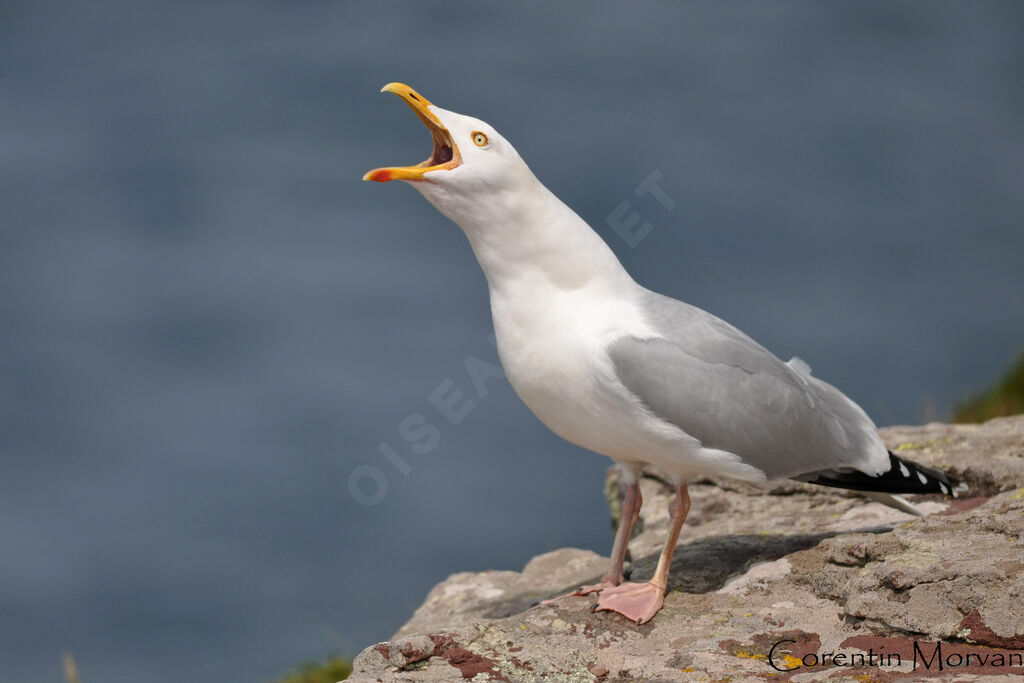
point(446, 152)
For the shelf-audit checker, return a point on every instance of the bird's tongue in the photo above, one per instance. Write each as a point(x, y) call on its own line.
point(445, 155)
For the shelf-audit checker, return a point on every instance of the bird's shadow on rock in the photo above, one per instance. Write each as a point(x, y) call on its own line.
point(701, 566)
point(707, 564)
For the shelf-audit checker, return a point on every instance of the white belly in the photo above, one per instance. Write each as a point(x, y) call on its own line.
point(553, 352)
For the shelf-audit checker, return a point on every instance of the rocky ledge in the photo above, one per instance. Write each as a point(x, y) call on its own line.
point(796, 583)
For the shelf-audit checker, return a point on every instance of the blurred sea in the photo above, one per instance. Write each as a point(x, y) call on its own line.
point(207, 322)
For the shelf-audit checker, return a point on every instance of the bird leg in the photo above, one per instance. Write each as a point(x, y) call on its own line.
point(630, 513)
point(641, 601)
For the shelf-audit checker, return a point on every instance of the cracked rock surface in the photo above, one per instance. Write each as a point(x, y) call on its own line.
point(839, 586)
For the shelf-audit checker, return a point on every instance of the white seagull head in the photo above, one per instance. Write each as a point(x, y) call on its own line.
point(471, 164)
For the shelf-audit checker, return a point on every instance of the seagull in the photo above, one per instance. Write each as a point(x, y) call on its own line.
point(634, 375)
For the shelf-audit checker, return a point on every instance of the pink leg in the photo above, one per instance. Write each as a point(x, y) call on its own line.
point(641, 601)
point(630, 513)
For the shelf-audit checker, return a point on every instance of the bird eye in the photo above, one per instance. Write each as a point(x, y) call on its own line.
point(479, 139)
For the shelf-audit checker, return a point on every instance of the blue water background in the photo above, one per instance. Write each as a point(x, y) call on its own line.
point(207, 321)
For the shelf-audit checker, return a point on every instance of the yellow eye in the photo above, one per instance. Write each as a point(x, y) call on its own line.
point(479, 139)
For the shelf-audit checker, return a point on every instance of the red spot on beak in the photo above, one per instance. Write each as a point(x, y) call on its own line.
point(381, 175)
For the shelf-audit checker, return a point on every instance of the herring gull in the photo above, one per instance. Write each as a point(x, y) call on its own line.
point(637, 376)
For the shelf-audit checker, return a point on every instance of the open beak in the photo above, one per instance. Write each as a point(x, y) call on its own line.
point(446, 152)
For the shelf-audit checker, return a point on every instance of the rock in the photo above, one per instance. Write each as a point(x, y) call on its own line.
point(471, 596)
point(838, 586)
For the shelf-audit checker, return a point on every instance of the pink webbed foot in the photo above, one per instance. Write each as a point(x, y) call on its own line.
point(636, 601)
point(583, 590)
point(598, 587)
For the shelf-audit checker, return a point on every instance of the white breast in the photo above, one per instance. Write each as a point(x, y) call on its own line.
point(552, 345)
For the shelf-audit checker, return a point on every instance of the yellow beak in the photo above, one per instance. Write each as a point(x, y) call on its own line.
point(446, 152)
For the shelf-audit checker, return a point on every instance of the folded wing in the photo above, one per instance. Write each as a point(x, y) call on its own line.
point(720, 386)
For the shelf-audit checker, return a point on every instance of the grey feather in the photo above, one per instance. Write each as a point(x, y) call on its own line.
point(723, 388)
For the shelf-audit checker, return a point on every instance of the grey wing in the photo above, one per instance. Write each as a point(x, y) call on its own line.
point(721, 387)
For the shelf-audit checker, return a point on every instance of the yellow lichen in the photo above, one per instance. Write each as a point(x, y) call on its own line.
point(866, 678)
point(743, 654)
point(791, 661)
point(927, 445)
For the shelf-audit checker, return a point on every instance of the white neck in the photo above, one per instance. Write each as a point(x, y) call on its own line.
point(525, 231)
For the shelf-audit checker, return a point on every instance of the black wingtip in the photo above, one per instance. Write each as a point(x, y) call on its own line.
point(904, 476)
